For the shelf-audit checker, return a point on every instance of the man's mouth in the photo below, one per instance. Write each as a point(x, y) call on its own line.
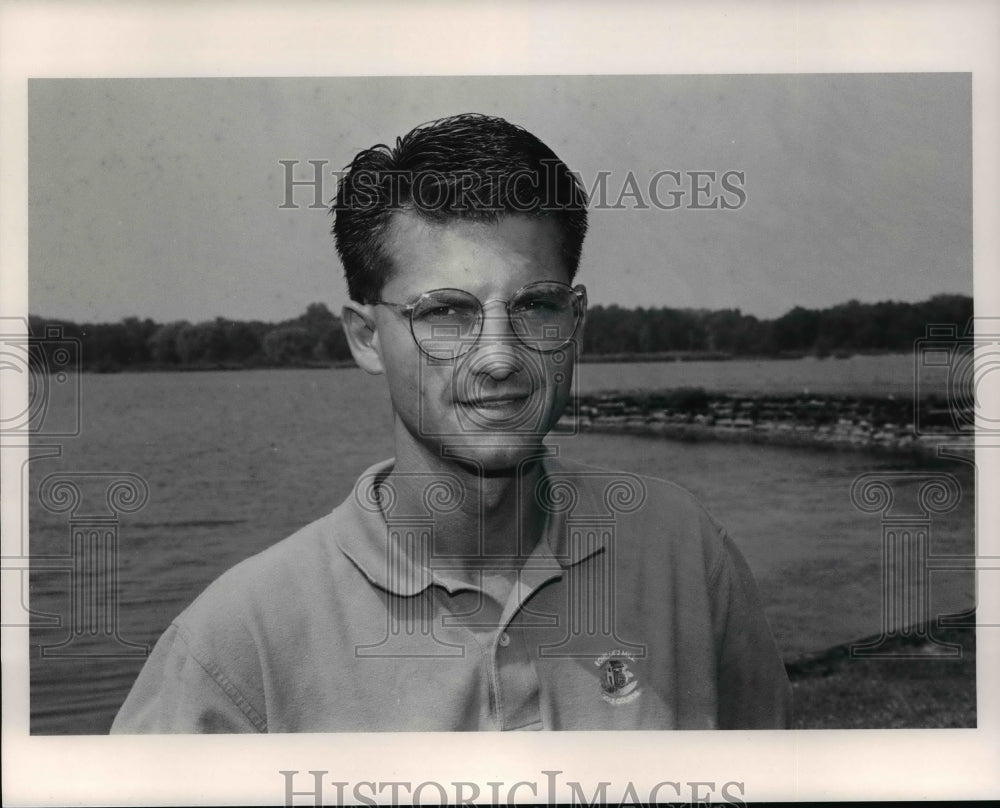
point(496, 400)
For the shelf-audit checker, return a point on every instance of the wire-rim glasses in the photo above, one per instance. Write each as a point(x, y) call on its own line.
point(447, 323)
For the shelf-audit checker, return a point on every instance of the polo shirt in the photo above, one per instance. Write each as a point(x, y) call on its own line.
point(635, 610)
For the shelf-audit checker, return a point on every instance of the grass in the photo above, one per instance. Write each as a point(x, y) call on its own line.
point(834, 690)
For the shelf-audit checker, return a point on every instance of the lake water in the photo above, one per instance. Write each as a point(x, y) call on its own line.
point(236, 461)
point(882, 374)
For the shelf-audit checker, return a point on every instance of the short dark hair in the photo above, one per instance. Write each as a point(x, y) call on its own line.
point(469, 166)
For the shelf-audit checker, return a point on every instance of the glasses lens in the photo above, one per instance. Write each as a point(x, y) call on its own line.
point(545, 315)
point(445, 322)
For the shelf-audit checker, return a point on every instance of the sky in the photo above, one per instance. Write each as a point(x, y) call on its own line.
point(163, 197)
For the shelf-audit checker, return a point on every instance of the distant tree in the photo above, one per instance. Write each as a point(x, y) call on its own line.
point(796, 331)
point(678, 330)
point(722, 329)
point(137, 334)
point(326, 331)
point(946, 310)
point(163, 343)
point(751, 337)
point(202, 342)
point(288, 345)
point(318, 318)
point(838, 329)
point(334, 345)
point(105, 346)
point(243, 342)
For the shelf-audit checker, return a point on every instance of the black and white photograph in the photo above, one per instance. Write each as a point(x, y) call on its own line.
point(359, 407)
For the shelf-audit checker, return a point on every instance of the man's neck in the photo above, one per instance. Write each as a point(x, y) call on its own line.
point(481, 520)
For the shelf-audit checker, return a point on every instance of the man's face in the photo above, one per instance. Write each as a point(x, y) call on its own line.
point(493, 405)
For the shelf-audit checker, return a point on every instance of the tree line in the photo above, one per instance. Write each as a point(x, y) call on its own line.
point(843, 329)
point(316, 338)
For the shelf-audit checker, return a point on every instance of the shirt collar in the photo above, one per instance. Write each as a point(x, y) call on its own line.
point(394, 557)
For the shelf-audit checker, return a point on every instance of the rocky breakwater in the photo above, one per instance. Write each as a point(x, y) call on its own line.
point(870, 423)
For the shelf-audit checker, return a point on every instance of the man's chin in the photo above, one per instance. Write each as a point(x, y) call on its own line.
point(497, 456)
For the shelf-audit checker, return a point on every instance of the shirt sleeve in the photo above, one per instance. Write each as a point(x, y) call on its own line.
point(754, 691)
point(177, 693)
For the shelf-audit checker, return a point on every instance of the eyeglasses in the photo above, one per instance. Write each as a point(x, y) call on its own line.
point(447, 323)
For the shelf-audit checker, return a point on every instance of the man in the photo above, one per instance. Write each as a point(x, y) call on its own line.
point(476, 580)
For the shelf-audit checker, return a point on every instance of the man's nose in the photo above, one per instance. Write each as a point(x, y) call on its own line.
point(496, 351)
point(496, 324)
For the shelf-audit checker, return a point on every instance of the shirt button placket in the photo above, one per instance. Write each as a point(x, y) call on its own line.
point(517, 682)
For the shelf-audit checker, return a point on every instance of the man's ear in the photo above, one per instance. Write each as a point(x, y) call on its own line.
point(362, 336)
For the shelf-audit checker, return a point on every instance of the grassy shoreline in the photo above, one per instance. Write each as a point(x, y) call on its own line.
point(909, 687)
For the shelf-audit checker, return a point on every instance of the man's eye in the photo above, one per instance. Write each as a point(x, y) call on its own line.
point(440, 311)
point(541, 306)
point(446, 311)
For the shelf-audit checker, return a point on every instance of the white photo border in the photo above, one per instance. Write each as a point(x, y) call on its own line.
point(305, 39)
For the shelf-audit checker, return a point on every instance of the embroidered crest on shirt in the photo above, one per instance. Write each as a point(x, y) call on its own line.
point(619, 684)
